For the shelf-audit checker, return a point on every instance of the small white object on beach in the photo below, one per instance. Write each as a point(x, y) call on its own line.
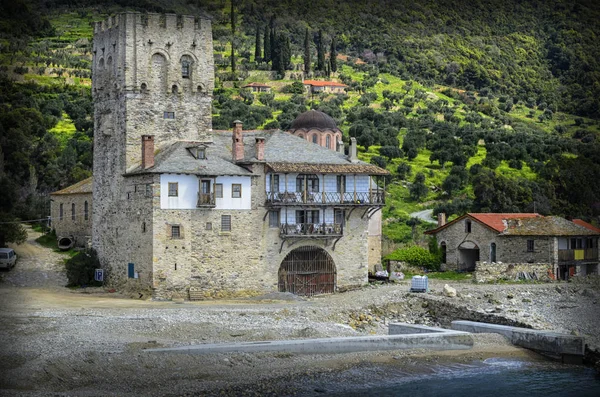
point(449, 291)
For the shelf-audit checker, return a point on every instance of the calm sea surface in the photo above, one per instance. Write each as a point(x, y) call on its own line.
point(492, 377)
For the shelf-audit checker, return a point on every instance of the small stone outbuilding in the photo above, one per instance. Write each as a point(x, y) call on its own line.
point(521, 241)
point(71, 213)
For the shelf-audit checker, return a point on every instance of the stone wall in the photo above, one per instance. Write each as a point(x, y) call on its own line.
point(490, 272)
point(138, 76)
point(77, 224)
point(246, 260)
point(509, 249)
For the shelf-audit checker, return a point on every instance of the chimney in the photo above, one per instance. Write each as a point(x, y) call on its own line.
point(353, 156)
point(441, 219)
point(147, 151)
point(260, 149)
point(340, 146)
point(238, 141)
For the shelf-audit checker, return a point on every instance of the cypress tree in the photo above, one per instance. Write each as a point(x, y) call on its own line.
point(232, 37)
point(306, 53)
point(267, 46)
point(320, 53)
point(333, 56)
point(273, 40)
point(257, 51)
point(286, 51)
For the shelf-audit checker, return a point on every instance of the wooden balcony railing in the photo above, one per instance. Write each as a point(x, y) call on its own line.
point(311, 229)
point(583, 254)
point(376, 197)
point(206, 200)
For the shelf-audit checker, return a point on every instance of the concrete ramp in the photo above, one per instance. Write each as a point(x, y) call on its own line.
point(431, 339)
point(570, 348)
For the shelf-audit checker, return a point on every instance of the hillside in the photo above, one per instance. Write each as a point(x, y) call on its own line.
point(492, 107)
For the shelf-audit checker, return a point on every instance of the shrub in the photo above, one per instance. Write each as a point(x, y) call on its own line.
point(81, 268)
point(416, 256)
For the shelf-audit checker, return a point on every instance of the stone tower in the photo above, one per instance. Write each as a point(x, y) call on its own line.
point(153, 75)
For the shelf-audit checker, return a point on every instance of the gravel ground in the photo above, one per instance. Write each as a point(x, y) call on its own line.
point(89, 342)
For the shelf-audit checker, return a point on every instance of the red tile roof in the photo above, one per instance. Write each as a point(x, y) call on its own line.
point(317, 83)
point(494, 220)
point(583, 223)
point(256, 85)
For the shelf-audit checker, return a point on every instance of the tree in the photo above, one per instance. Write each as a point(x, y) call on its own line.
point(418, 189)
point(391, 152)
point(232, 36)
point(379, 161)
point(267, 46)
point(333, 56)
point(403, 170)
point(306, 53)
point(11, 231)
point(320, 52)
point(257, 50)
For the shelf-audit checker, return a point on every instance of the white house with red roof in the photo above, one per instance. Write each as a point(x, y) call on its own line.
point(317, 86)
point(568, 248)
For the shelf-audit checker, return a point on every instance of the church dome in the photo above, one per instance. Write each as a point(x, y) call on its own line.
point(314, 119)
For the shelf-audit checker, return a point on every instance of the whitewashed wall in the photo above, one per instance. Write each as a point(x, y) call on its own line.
point(188, 186)
point(229, 203)
point(187, 197)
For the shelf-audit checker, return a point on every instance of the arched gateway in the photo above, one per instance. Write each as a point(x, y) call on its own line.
point(307, 271)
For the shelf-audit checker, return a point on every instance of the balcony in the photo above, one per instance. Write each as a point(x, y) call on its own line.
point(366, 199)
point(206, 200)
point(577, 255)
point(311, 230)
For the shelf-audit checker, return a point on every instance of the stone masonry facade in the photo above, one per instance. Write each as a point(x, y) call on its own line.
point(152, 87)
point(75, 221)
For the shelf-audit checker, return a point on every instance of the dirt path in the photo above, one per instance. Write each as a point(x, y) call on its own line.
point(37, 266)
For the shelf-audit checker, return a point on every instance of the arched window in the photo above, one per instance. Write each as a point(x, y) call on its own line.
point(308, 182)
point(186, 66)
point(101, 63)
point(174, 89)
point(144, 86)
point(86, 213)
point(159, 73)
point(328, 141)
point(493, 252)
point(314, 138)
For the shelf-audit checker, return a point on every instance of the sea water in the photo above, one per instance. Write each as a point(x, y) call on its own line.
point(492, 377)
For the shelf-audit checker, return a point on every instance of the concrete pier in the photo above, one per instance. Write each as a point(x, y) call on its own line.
point(431, 338)
point(570, 348)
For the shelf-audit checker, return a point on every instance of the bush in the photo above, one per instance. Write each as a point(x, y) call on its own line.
point(416, 256)
point(81, 268)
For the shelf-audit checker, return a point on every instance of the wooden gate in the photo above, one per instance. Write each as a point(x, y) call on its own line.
point(307, 271)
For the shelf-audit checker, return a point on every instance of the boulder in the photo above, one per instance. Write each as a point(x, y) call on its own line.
point(449, 291)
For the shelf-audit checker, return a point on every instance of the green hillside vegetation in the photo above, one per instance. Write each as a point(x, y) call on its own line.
point(486, 107)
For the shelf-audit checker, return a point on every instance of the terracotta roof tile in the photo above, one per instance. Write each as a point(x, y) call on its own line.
point(495, 220)
point(583, 223)
point(317, 83)
point(81, 187)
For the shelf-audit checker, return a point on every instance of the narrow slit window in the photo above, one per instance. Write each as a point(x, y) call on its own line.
point(530, 246)
point(61, 213)
point(86, 214)
point(73, 211)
